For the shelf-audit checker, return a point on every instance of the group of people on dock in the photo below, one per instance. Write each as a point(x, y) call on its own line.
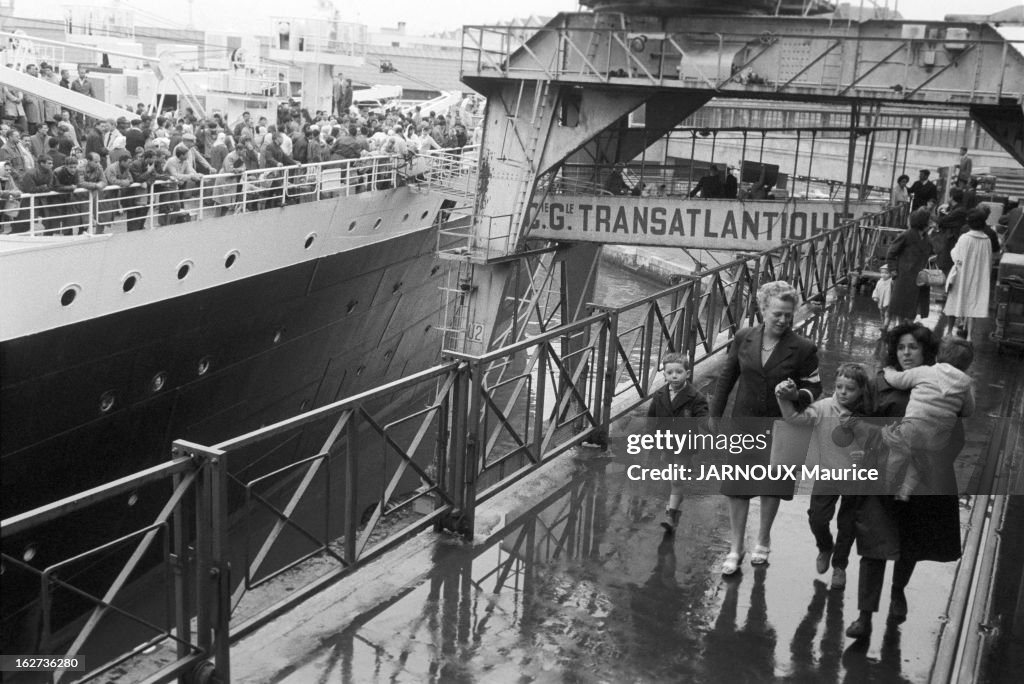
point(948, 247)
point(46, 149)
point(902, 419)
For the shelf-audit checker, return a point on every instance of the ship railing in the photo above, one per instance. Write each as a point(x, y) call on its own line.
point(839, 61)
point(209, 196)
point(464, 435)
point(453, 171)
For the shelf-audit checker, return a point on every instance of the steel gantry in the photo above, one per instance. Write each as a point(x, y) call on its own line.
point(564, 92)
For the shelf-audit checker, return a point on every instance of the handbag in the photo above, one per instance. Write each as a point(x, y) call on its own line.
point(931, 276)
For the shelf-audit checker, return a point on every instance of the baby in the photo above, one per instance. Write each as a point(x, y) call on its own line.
point(939, 395)
point(882, 295)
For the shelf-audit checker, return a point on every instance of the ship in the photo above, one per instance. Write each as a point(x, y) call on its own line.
point(114, 344)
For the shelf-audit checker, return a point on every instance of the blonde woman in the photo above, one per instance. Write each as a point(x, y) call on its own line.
point(759, 359)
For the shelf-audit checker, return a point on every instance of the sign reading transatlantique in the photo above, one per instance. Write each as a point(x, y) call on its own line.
point(683, 222)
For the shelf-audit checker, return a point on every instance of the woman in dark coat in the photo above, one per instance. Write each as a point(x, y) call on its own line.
point(907, 255)
point(926, 527)
point(760, 358)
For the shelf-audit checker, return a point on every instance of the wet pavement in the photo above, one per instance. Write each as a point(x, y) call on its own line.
point(575, 581)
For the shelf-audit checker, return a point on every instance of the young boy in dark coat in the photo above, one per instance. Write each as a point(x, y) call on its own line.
point(677, 399)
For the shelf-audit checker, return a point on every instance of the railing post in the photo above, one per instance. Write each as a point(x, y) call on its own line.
point(648, 347)
point(180, 564)
point(461, 461)
point(598, 371)
point(245, 191)
point(690, 321)
point(351, 474)
point(202, 197)
point(212, 584)
point(220, 568)
point(541, 401)
point(32, 215)
point(610, 365)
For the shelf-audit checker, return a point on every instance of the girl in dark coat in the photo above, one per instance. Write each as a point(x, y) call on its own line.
point(907, 255)
point(924, 528)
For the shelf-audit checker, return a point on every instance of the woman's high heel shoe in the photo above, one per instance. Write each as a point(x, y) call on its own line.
point(732, 563)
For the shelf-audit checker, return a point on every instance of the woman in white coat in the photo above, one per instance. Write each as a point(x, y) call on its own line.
point(968, 281)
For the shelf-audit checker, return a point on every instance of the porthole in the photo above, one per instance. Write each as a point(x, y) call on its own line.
point(351, 305)
point(158, 382)
point(359, 371)
point(428, 328)
point(405, 218)
point(304, 405)
point(133, 499)
point(434, 270)
point(130, 281)
point(424, 215)
point(352, 226)
point(184, 268)
point(107, 400)
point(68, 294)
point(310, 239)
point(397, 286)
point(204, 366)
point(29, 553)
point(376, 224)
point(388, 354)
point(230, 259)
point(278, 334)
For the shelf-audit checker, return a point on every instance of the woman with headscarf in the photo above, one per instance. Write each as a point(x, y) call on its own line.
point(759, 359)
point(66, 131)
point(907, 255)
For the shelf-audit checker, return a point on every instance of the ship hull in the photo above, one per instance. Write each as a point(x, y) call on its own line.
point(208, 364)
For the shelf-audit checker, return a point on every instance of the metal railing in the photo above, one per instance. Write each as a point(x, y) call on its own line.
point(165, 202)
point(343, 481)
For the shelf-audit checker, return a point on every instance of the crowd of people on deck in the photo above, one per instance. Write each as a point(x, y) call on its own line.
point(47, 149)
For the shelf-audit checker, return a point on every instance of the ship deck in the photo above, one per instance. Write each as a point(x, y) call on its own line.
point(571, 578)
